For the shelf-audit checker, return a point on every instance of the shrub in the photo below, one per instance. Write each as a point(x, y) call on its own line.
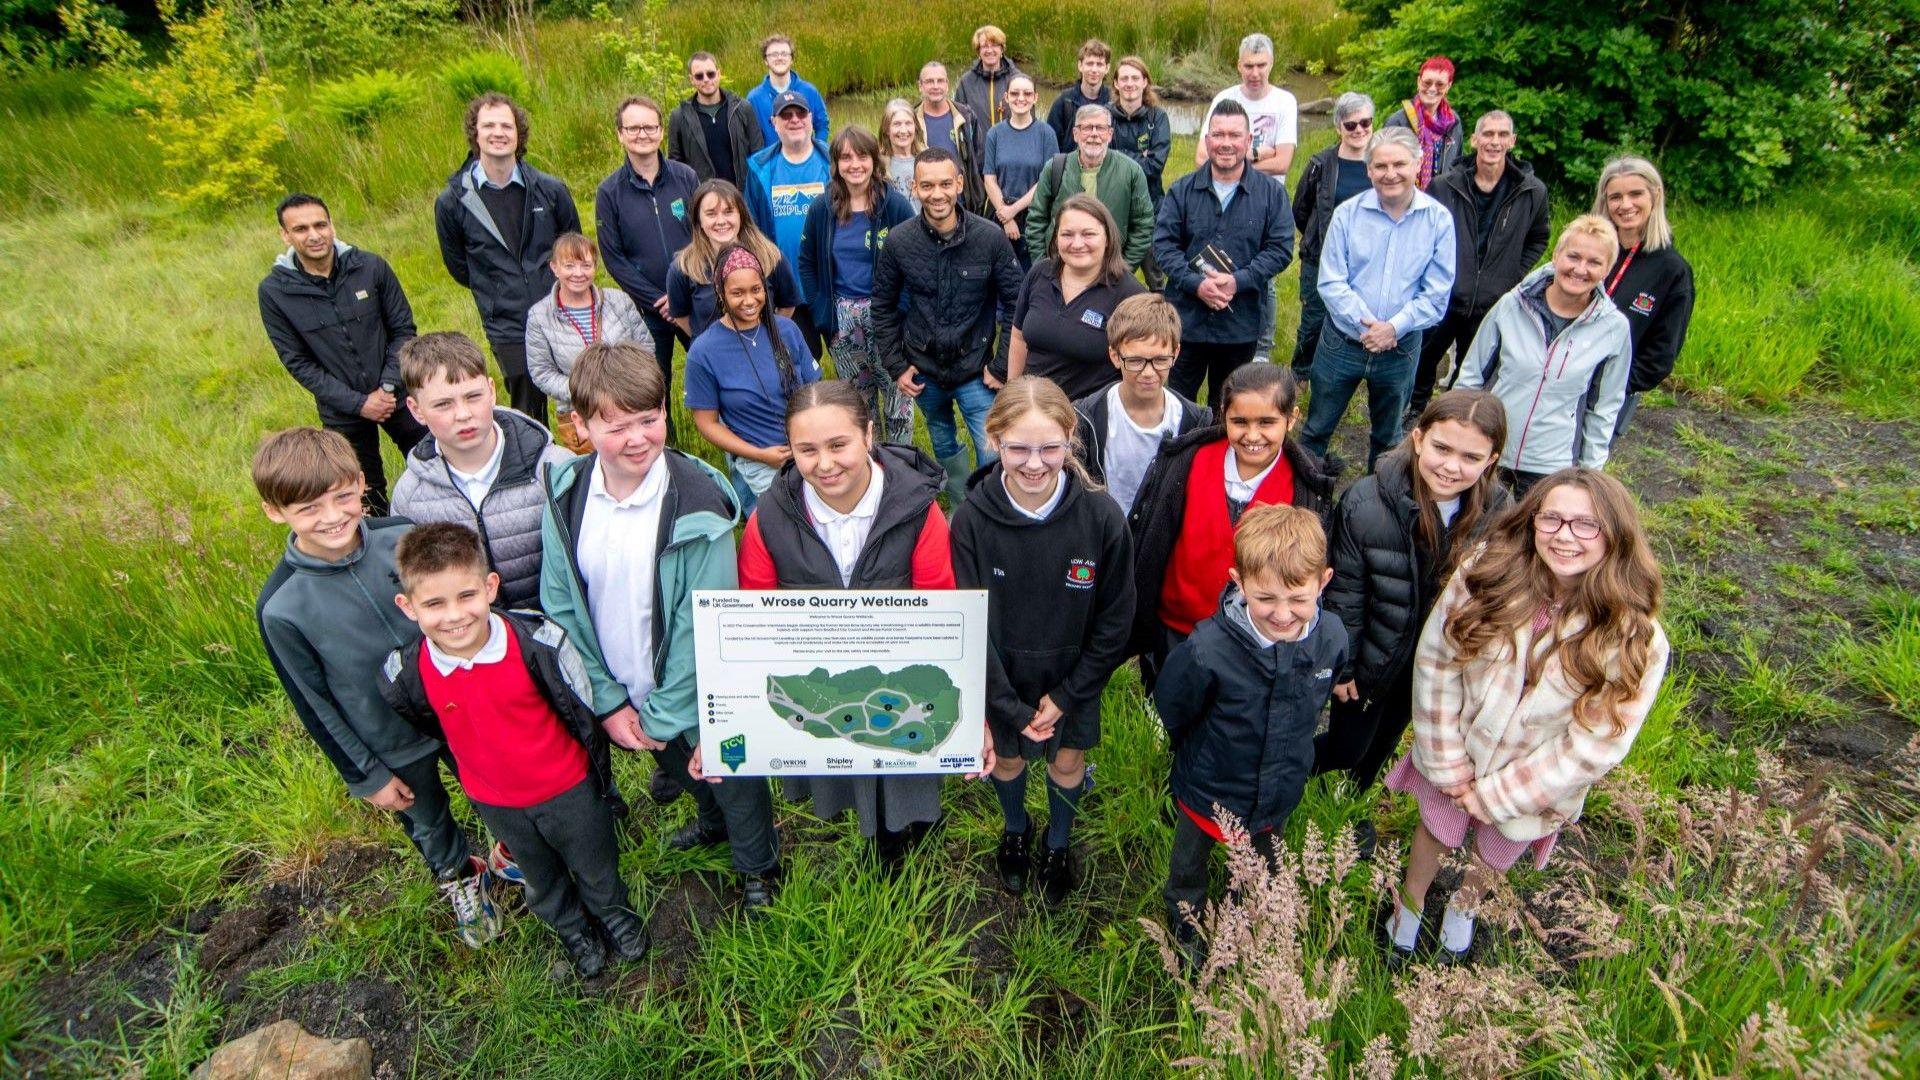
point(215, 122)
point(322, 35)
point(113, 93)
point(478, 73)
point(644, 58)
point(360, 99)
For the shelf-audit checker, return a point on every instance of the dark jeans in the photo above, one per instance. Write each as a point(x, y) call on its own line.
point(1210, 363)
point(1362, 735)
point(522, 394)
point(742, 807)
point(1187, 863)
point(1313, 313)
point(1341, 365)
point(364, 437)
point(1518, 482)
point(1455, 332)
point(565, 847)
point(1620, 422)
point(429, 821)
point(665, 334)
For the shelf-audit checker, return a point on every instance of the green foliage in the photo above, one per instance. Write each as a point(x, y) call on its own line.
point(322, 35)
point(478, 73)
point(1889, 661)
point(113, 93)
point(649, 66)
point(215, 121)
point(362, 98)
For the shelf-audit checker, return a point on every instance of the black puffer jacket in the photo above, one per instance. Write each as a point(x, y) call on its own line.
point(935, 299)
point(1514, 245)
point(1384, 584)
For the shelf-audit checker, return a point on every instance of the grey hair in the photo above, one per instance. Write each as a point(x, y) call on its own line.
point(930, 65)
point(1085, 111)
point(1492, 114)
point(1256, 45)
point(1404, 138)
point(1349, 103)
point(1658, 234)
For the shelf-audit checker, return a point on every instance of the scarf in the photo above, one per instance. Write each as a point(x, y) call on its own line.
point(1433, 131)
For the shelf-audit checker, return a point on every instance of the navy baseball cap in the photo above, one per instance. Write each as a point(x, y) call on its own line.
point(790, 100)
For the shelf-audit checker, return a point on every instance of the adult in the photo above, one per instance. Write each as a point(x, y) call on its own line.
point(1500, 231)
point(901, 140)
point(1115, 179)
point(1331, 177)
point(1095, 57)
point(984, 85)
point(783, 179)
point(714, 130)
point(954, 128)
point(571, 317)
point(1273, 117)
point(640, 216)
point(1557, 353)
point(497, 219)
point(1060, 322)
point(1143, 132)
point(1018, 148)
point(720, 217)
point(1429, 115)
point(1386, 269)
point(1223, 232)
point(776, 52)
point(936, 289)
point(845, 229)
point(1650, 284)
point(337, 317)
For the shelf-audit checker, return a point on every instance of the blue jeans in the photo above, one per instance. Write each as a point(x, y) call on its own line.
point(1263, 345)
point(937, 403)
point(1339, 365)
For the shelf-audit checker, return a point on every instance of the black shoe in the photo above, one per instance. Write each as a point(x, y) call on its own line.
point(1365, 839)
point(1012, 859)
point(1055, 874)
point(662, 788)
point(589, 955)
point(695, 835)
point(890, 849)
point(1188, 943)
point(629, 936)
point(758, 890)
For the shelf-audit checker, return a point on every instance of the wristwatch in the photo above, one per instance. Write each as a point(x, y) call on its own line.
point(388, 387)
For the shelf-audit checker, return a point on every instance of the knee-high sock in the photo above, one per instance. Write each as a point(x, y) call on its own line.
point(1013, 801)
point(1062, 805)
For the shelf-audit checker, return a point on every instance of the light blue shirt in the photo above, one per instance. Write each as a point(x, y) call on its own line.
point(1374, 268)
point(480, 177)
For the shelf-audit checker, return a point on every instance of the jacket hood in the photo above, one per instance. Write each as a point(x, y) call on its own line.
point(1533, 291)
point(990, 490)
point(288, 260)
point(1394, 475)
point(525, 441)
point(1007, 69)
point(701, 511)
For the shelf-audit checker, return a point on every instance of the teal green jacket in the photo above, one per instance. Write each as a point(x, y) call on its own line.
point(1120, 186)
point(696, 525)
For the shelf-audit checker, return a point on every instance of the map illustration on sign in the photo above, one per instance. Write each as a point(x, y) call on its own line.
point(911, 710)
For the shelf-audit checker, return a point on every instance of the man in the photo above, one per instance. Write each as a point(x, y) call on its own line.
point(715, 130)
point(1095, 58)
point(782, 180)
point(1275, 119)
point(948, 125)
point(936, 287)
point(983, 86)
point(1500, 231)
point(337, 317)
point(1115, 179)
point(1223, 232)
point(1386, 269)
point(777, 53)
point(497, 220)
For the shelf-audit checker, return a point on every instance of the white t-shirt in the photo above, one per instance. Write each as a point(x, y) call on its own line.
point(1447, 508)
point(476, 485)
point(1046, 508)
point(1274, 119)
point(619, 547)
point(1130, 448)
point(845, 534)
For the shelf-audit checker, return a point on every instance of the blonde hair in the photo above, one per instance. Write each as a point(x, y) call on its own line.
point(1278, 542)
point(1035, 393)
point(301, 464)
point(1596, 226)
point(1658, 234)
point(989, 34)
point(1144, 317)
point(895, 107)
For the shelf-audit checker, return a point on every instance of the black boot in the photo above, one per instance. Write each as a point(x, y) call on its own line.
point(1015, 849)
point(662, 788)
point(629, 936)
point(588, 954)
point(758, 890)
point(1188, 943)
point(1365, 839)
point(693, 835)
point(1055, 874)
point(890, 849)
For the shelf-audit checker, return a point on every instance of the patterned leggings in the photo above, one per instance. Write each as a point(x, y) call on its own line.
point(856, 360)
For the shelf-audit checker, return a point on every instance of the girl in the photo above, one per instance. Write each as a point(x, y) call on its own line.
point(1651, 284)
point(1142, 131)
point(1394, 536)
point(900, 128)
point(846, 513)
point(741, 372)
point(1194, 493)
point(1532, 678)
point(571, 317)
point(720, 218)
point(1557, 352)
point(844, 229)
point(1059, 324)
point(1055, 557)
point(1431, 116)
point(1017, 149)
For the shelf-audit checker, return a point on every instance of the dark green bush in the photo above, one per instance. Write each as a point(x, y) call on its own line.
point(477, 73)
point(360, 99)
point(323, 36)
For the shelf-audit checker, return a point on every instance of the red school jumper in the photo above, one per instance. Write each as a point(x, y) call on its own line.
point(1197, 571)
point(511, 748)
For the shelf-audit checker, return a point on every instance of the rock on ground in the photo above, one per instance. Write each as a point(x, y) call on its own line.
point(286, 1051)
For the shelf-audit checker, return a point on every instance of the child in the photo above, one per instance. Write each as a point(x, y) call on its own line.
point(1056, 560)
point(1394, 537)
point(328, 621)
point(480, 464)
point(630, 531)
point(1532, 678)
point(1195, 492)
point(506, 692)
point(847, 514)
point(573, 315)
point(1241, 695)
point(1122, 427)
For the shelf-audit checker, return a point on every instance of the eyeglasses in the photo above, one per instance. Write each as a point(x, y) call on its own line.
point(703, 76)
point(639, 129)
point(1052, 453)
point(1434, 84)
point(1547, 523)
point(1140, 363)
point(1361, 124)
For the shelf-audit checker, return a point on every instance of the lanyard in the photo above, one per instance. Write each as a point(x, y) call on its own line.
point(1622, 271)
point(592, 334)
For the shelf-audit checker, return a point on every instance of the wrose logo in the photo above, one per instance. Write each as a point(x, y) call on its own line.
point(787, 763)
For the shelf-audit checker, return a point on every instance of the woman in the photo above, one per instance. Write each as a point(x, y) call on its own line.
point(720, 218)
point(1332, 176)
point(844, 230)
point(901, 130)
point(571, 317)
point(1017, 149)
point(1143, 132)
point(1060, 323)
point(1556, 351)
point(1651, 284)
point(1431, 117)
point(740, 373)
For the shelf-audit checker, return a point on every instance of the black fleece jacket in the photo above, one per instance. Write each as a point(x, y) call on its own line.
point(1656, 295)
point(1515, 243)
point(339, 337)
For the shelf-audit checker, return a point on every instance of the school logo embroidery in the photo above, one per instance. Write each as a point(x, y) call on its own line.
point(733, 752)
point(679, 208)
point(1080, 573)
point(1643, 304)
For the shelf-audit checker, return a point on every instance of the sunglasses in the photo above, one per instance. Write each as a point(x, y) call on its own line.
point(703, 76)
point(1361, 124)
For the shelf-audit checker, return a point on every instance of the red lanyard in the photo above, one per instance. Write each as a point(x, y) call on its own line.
point(593, 318)
point(1622, 272)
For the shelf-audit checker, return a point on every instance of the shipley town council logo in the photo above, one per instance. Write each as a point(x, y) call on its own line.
point(1079, 573)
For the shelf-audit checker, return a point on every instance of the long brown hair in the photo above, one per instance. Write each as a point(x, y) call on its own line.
point(839, 196)
point(1113, 265)
point(1149, 98)
point(1483, 412)
point(1617, 601)
point(1037, 393)
point(699, 257)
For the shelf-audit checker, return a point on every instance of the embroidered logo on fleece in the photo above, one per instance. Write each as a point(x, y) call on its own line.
point(1323, 673)
point(1643, 304)
point(1080, 573)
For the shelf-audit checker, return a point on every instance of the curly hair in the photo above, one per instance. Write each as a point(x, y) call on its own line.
point(521, 122)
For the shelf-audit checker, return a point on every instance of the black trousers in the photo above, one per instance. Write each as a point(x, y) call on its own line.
point(1362, 736)
point(665, 335)
point(1210, 363)
point(566, 848)
point(429, 821)
point(816, 341)
point(1455, 332)
point(364, 437)
point(742, 806)
point(522, 394)
point(1518, 482)
point(1187, 863)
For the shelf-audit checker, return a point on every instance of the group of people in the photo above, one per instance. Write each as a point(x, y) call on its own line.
point(528, 610)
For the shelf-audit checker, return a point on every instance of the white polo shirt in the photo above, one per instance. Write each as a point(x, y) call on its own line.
point(618, 550)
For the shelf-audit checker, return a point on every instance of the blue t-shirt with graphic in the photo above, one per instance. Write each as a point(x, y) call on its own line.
point(792, 189)
point(852, 258)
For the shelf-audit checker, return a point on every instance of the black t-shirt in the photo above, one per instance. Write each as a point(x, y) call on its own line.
point(507, 205)
point(1068, 342)
point(713, 127)
point(1484, 204)
point(1555, 324)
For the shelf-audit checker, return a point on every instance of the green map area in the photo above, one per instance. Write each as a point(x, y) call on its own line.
point(912, 710)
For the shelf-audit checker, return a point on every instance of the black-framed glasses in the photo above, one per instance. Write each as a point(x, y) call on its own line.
point(1361, 124)
point(1547, 523)
point(1139, 363)
point(639, 129)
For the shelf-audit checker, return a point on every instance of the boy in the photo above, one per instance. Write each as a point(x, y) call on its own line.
point(1240, 698)
point(480, 464)
point(630, 531)
point(1121, 427)
point(328, 620)
point(506, 692)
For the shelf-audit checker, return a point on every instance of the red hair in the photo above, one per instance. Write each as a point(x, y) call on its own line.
point(1440, 64)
